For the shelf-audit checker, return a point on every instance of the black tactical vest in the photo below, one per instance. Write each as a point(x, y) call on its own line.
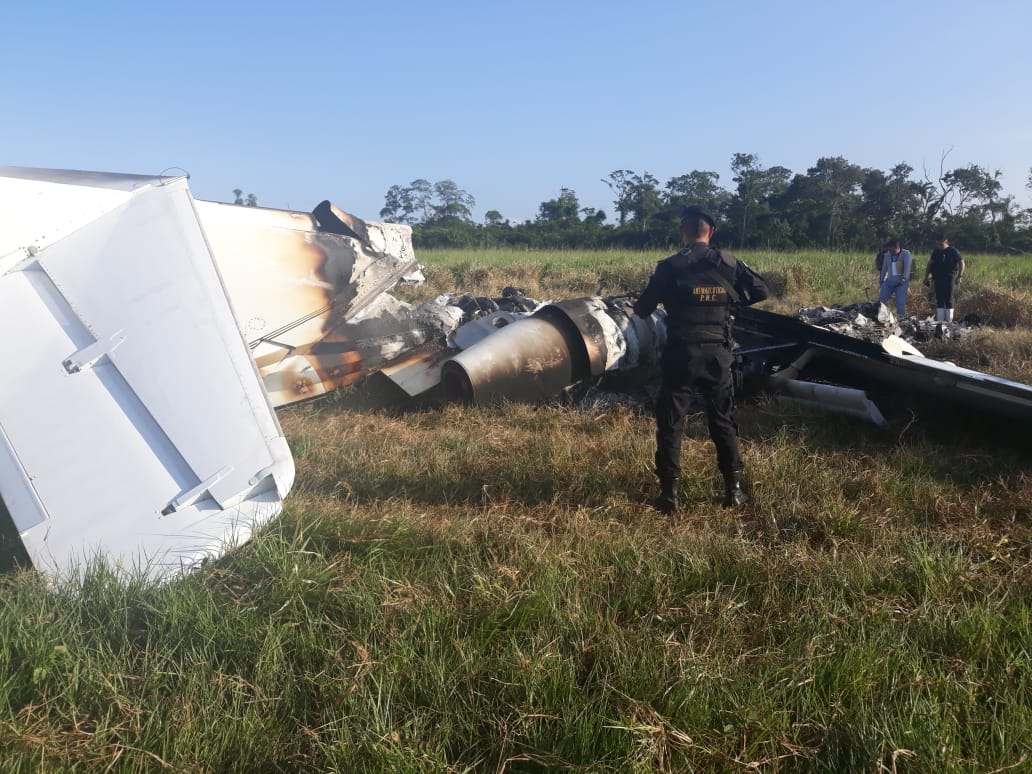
point(698, 296)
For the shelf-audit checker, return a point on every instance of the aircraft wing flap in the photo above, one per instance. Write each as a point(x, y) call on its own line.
point(128, 387)
point(149, 337)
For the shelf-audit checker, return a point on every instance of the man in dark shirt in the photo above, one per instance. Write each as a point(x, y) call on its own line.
point(697, 287)
point(945, 267)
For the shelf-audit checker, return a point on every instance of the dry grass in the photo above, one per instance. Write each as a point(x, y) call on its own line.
point(996, 305)
point(1005, 353)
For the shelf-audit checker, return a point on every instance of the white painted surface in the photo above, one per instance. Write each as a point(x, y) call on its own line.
point(132, 420)
point(41, 206)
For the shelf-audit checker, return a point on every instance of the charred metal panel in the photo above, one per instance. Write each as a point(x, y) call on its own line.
point(583, 313)
point(889, 369)
point(632, 342)
point(417, 373)
point(335, 221)
point(312, 297)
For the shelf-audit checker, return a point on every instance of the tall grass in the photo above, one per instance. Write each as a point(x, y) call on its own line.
point(997, 288)
point(484, 589)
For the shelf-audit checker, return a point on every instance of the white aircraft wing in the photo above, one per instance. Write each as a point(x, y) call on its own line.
point(133, 423)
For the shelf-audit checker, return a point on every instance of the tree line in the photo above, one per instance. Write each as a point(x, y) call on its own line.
point(238, 198)
point(835, 205)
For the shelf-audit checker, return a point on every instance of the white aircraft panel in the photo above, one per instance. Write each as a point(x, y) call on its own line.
point(132, 419)
point(51, 203)
point(165, 307)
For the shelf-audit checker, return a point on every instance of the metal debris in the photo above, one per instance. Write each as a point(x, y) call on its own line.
point(891, 371)
point(312, 293)
point(543, 356)
point(872, 321)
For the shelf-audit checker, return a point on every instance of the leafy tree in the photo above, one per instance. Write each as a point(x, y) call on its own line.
point(442, 211)
point(824, 203)
point(637, 196)
point(421, 199)
point(619, 183)
point(238, 198)
point(972, 188)
point(697, 187)
point(757, 188)
point(452, 202)
point(493, 218)
point(563, 211)
point(397, 206)
point(975, 205)
point(420, 203)
point(893, 203)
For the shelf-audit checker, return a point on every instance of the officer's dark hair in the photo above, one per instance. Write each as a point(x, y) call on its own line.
point(695, 225)
point(940, 237)
point(693, 217)
point(892, 243)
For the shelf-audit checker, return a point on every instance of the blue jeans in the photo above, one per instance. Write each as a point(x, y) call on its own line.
point(898, 288)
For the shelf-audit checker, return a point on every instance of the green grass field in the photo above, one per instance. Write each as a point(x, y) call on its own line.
point(484, 590)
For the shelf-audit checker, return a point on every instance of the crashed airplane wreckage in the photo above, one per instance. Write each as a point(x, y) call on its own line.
point(563, 347)
point(134, 422)
point(482, 350)
point(312, 293)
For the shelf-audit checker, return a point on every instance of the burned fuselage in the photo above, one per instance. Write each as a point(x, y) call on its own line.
point(312, 297)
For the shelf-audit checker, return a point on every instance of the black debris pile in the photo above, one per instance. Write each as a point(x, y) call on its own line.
point(863, 320)
point(512, 300)
point(638, 399)
point(916, 329)
point(872, 321)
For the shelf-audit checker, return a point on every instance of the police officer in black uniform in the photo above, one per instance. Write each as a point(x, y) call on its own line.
point(698, 287)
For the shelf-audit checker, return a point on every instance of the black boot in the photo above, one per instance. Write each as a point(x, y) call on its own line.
point(734, 495)
point(668, 494)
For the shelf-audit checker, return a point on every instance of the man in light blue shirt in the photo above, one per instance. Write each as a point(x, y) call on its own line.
point(896, 264)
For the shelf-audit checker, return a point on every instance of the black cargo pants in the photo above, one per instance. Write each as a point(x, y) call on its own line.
point(708, 368)
point(944, 287)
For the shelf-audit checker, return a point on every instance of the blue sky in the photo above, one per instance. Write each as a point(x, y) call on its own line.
point(299, 102)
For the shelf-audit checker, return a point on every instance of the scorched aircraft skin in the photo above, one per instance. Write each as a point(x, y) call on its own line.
point(311, 293)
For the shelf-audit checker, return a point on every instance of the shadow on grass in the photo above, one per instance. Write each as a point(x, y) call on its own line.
point(988, 444)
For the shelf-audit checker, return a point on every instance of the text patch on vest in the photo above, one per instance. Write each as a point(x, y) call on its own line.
point(709, 294)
